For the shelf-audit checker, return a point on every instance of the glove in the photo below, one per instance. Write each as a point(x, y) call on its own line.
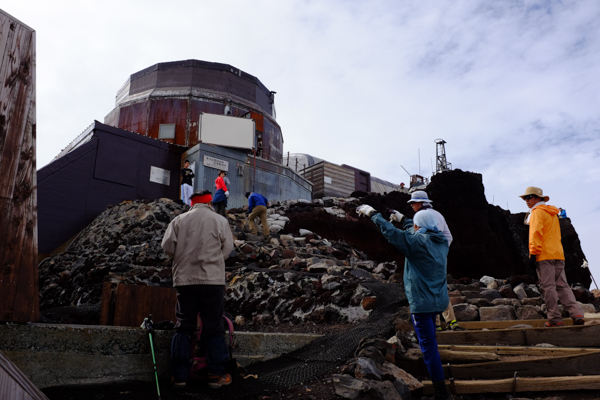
point(532, 262)
point(365, 210)
point(395, 216)
point(227, 193)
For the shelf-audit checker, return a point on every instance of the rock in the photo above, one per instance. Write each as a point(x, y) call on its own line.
point(492, 285)
point(507, 302)
point(383, 391)
point(507, 292)
point(481, 302)
point(582, 294)
point(373, 353)
point(520, 291)
point(497, 313)
point(466, 312)
point(530, 312)
point(587, 308)
point(368, 303)
point(596, 293)
point(532, 291)
point(490, 294)
point(348, 387)
point(535, 301)
point(458, 300)
point(304, 232)
point(401, 375)
point(487, 279)
point(367, 369)
point(318, 268)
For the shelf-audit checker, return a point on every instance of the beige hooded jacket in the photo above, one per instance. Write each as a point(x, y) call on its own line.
point(199, 241)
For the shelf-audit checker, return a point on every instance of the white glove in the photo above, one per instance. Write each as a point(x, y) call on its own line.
point(227, 193)
point(365, 209)
point(396, 216)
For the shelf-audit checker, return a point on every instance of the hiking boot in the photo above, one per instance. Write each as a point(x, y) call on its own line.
point(216, 381)
point(578, 320)
point(455, 326)
point(438, 328)
point(553, 324)
point(440, 391)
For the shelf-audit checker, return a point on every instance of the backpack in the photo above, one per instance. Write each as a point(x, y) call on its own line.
point(199, 369)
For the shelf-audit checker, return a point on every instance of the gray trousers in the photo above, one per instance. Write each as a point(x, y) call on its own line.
point(555, 287)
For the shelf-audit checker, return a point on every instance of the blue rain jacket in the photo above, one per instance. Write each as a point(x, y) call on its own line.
point(425, 266)
point(256, 199)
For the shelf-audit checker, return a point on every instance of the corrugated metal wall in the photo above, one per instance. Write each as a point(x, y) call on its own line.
point(274, 181)
point(330, 180)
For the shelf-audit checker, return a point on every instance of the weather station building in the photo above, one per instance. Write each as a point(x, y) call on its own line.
point(214, 115)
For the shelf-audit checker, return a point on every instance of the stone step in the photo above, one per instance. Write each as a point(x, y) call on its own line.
point(57, 355)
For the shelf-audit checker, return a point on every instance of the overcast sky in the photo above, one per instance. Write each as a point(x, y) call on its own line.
point(512, 86)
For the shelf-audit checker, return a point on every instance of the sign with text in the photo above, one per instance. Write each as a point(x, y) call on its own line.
point(159, 175)
point(215, 163)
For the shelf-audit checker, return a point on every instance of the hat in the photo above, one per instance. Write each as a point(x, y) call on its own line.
point(536, 192)
point(419, 196)
point(201, 196)
point(248, 194)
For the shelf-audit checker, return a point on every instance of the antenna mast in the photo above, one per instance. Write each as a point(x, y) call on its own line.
point(441, 164)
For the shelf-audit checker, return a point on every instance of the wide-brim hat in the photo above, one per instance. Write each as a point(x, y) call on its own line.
point(419, 196)
point(535, 191)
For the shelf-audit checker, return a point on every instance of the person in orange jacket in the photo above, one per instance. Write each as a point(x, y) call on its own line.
point(546, 253)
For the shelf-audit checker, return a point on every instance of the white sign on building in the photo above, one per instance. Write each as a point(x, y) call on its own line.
point(159, 175)
point(215, 163)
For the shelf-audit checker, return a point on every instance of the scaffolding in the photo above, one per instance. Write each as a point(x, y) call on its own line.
point(440, 151)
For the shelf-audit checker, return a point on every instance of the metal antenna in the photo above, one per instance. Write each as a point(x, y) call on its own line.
point(440, 151)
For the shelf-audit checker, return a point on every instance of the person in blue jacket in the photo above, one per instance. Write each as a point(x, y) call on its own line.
point(257, 207)
point(425, 249)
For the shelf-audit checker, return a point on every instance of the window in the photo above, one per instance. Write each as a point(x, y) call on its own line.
point(166, 131)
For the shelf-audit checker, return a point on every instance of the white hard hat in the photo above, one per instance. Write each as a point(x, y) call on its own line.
point(419, 196)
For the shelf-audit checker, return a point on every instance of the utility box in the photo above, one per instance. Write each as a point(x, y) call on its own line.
point(227, 131)
point(330, 180)
point(19, 291)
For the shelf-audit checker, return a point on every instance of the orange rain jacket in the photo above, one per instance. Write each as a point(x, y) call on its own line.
point(544, 234)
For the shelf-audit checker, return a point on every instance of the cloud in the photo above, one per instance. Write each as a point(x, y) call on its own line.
point(512, 86)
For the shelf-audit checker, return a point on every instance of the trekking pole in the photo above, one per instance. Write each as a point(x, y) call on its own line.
point(148, 325)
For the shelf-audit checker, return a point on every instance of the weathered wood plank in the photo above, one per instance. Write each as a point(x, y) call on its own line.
point(586, 364)
point(567, 336)
point(133, 303)
point(105, 303)
point(18, 208)
point(521, 350)
point(557, 383)
point(535, 323)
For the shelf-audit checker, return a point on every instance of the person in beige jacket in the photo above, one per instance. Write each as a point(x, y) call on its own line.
point(199, 241)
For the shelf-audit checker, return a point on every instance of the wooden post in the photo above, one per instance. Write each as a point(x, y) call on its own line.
point(19, 299)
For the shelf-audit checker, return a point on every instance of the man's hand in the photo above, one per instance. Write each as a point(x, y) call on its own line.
point(227, 193)
point(365, 210)
point(395, 216)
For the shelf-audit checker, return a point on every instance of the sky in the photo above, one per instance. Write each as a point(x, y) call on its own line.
point(513, 87)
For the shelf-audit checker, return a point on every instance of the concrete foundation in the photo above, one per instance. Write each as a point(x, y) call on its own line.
point(57, 355)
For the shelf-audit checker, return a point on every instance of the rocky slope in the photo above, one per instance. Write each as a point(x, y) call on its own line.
point(312, 268)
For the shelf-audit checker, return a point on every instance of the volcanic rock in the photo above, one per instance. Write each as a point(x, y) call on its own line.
point(497, 313)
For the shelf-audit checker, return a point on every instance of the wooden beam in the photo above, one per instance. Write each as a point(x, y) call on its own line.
point(557, 383)
point(566, 336)
point(521, 350)
point(580, 364)
point(466, 357)
point(535, 323)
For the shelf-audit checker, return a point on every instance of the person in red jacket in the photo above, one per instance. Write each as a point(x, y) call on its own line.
point(221, 194)
point(546, 253)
